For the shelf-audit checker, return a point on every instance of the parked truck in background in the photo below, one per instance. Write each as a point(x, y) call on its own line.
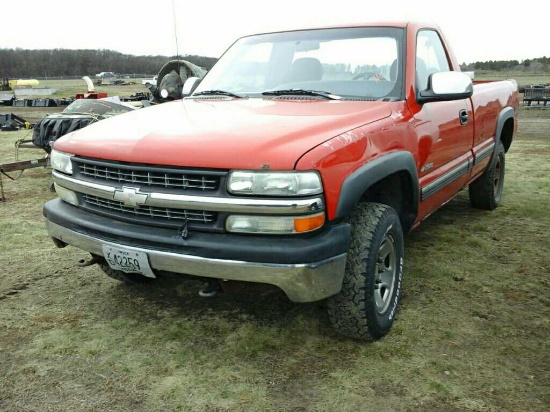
point(300, 160)
point(103, 75)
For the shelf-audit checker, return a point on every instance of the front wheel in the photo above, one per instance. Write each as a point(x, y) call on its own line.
point(365, 307)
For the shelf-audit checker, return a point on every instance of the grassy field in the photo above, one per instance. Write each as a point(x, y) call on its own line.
point(472, 333)
point(69, 88)
point(522, 78)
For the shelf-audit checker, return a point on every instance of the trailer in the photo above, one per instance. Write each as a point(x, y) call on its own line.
point(21, 166)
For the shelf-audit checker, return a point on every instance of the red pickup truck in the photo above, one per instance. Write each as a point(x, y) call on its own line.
point(300, 160)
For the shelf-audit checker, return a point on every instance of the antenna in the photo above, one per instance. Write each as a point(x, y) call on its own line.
point(175, 28)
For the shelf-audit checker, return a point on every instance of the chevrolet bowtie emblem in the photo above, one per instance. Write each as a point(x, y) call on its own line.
point(130, 196)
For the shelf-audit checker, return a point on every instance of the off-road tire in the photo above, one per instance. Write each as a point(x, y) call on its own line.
point(128, 278)
point(486, 191)
point(365, 308)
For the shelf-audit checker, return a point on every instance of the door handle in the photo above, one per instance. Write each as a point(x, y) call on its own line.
point(463, 116)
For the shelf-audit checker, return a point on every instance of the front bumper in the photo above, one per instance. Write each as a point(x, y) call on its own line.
point(307, 268)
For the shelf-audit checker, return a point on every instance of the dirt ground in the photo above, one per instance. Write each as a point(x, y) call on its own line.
point(471, 334)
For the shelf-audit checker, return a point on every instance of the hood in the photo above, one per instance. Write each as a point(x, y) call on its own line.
point(221, 133)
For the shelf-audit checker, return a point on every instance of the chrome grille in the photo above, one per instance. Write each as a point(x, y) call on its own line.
point(163, 213)
point(159, 178)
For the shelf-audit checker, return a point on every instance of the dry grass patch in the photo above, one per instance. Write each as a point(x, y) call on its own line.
point(472, 332)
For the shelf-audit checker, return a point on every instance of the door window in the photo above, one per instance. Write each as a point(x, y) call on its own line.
point(430, 57)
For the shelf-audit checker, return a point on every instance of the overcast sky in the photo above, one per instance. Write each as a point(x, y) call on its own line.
point(478, 30)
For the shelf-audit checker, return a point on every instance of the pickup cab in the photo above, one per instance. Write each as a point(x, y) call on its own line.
point(300, 160)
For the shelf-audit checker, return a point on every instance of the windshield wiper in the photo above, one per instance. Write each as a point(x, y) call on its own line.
point(301, 92)
point(216, 93)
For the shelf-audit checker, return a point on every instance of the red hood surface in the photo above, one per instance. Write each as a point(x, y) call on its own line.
point(222, 134)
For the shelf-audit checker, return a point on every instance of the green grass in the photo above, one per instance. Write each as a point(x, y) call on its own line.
point(522, 78)
point(471, 334)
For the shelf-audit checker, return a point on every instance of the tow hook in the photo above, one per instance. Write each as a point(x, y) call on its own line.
point(92, 261)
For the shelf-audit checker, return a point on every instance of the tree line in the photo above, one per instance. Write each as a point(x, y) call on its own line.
point(21, 63)
point(26, 63)
point(535, 65)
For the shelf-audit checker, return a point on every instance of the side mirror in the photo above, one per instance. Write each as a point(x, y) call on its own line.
point(446, 86)
point(190, 85)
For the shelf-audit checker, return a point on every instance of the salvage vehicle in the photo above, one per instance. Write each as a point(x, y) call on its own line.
point(300, 160)
point(78, 114)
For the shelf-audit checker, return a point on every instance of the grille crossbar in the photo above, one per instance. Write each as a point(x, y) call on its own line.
point(176, 180)
point(149, 211)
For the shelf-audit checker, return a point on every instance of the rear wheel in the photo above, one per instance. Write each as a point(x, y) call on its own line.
point(129, 278)
point(365, 307)
point(486, 191)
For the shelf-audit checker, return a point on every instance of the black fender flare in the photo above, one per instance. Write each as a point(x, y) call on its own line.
point(503, 116)
point(357, 183)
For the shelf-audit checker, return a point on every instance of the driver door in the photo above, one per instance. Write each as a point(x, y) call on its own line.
point(444, 129)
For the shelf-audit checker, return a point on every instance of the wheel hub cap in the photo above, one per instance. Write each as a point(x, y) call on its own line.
point(386, 270)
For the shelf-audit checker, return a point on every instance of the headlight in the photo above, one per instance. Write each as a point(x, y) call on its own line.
point(61, 162)
point(279, 225)
point(274, 183)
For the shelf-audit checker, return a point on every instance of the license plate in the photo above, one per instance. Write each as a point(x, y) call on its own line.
point(128, 261)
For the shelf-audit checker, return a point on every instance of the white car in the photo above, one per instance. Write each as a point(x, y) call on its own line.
point(153, 81)
point(105, 74)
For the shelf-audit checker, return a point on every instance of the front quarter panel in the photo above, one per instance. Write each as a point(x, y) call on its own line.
point(340, 157)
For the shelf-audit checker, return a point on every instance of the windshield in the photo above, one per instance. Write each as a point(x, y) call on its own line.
point(351, 63)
